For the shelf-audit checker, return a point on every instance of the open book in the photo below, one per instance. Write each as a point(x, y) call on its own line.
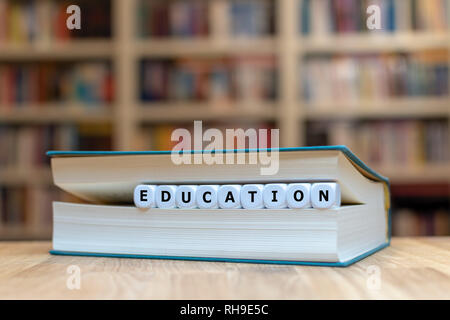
point(110, 225)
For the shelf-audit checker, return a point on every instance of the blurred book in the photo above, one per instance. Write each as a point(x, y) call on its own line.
point(25, 192)
point(24, 21)
point(89, 83)
point(27, 145)
point(430, 15)
point(176, 18)
point(155, 137)
point(28, 208)
point(327, 17)
point(255, 78)
point(350, 78)
point(387, 143)
point(251, 18)
point(187, 19)
point(410, 222)
point(214, 79)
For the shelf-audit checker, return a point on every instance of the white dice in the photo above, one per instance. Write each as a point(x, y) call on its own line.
point(298, 195)
point(325, 195)
point(185, 197)
point(229, 196)
point(252, 196)
point(274, 195)
point(206, 196)
point(319, 195)
point(144, 196)
point(165, 196)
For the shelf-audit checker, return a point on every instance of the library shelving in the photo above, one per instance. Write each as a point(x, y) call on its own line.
point(286, 35)
point(58, 50)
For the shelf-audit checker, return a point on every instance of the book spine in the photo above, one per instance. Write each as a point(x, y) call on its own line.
point(178, 19)
point(245, 78)
point(28, 21)
point(37, 83)
point(375, 77)
point(347, 16)
point(388, 143)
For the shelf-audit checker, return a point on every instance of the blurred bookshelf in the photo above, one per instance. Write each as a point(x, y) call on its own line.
point(140, 68)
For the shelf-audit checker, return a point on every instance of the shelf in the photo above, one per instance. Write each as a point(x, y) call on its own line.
point(393, 108)
point(370, 42)
point(55, 113)
point(183, 47)
point(71, 49)
point(179, 112)
point(20, 176)
point(429, 173)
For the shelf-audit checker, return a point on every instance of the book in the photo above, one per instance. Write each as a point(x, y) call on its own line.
point(29, 206)
point(373, 77)
point(29, 22)
point(178, 19)
point(251, 18)
point(27, 145)
point(109, 225)
point(216, 79)
point(328, 17)
point(86, 83)
point(387, 143)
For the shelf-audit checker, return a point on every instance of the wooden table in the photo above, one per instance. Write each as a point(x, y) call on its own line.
point(412, 268)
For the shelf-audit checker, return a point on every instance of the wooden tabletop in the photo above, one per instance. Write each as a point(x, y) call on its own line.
point(411, 268)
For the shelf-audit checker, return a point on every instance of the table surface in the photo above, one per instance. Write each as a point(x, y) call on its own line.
point(411, 268)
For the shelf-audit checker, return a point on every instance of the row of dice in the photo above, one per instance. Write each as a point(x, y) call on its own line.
point(321, 195)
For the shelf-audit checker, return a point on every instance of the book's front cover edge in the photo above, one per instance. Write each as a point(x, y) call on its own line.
point(347, 152)
point(215, 259)
point(368, 172)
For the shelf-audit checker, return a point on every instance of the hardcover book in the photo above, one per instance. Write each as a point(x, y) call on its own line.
point(109, 224)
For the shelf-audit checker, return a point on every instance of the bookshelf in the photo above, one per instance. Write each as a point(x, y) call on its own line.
point(127, 116)
point(75, 49)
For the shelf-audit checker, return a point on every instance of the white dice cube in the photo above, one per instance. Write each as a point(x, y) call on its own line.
point(144, 196)
point(185, 196)
point(229, 196)
point(252, 196)
point(206, 196)
point(274, 195)
point(325, 195)
point(298, 195)
point(165, 196)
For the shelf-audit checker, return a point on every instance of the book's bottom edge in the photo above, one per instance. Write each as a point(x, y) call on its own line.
point(215, 259)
